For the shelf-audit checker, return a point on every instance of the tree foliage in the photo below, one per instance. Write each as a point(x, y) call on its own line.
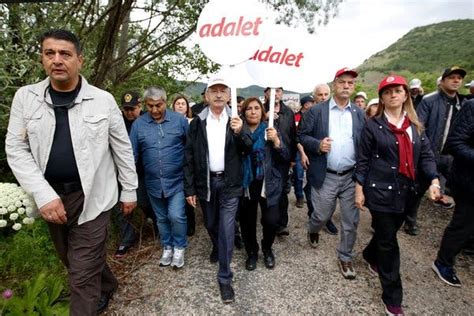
point(128, 43)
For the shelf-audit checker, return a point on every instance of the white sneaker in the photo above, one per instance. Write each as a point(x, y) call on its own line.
point(178, 258)
point(166, 257)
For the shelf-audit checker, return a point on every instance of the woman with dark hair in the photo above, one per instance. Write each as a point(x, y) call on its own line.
point(181, 105)
point(393, 150)
point(262, 183)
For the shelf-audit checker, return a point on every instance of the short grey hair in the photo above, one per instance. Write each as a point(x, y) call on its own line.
point(319, 86)
point(155, 93)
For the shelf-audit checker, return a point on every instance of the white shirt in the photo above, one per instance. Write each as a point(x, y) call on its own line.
point(216, 130)
point(400, 123)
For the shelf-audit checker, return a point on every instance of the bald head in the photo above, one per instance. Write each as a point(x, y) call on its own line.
point(321, 93)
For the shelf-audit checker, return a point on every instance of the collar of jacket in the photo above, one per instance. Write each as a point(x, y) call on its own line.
point(84, 94)
point(205, 112)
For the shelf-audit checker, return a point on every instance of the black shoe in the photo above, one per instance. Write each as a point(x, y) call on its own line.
point(251, 262)
point(238, 242)
point(191, 230)
point(412, 230)
point(313, 239)
point(283, 232)
point(214, 257)
point(269, 259)
point(227, 293)
point(331, 228)
point(104, 302)
point(121, 251)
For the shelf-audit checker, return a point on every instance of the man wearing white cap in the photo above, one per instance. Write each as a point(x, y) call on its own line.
point(214, 152)
point(416, 91)
point(470, 85)
point(361, 100)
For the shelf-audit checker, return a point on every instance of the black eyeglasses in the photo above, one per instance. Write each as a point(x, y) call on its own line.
point(66, 106)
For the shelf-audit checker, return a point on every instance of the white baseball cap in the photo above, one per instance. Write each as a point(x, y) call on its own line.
point(470, 84)
point(438, 81)
point(217, 79)
point(372, 102)
point(361, 94)
point(415, 83)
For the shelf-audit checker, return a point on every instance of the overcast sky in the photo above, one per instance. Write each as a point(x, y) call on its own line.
point(365, 27)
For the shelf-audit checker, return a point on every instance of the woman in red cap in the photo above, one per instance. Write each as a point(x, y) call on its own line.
point(392, 151)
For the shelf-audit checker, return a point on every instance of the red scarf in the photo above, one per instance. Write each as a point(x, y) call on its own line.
point(405, 149)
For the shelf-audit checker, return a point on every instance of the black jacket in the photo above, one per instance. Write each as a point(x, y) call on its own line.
point(460, 144)
point(286, 127)
point(432, 112)
point(196, 164)
point(377, 166)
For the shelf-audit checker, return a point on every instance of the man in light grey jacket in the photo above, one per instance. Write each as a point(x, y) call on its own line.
point(66, 141)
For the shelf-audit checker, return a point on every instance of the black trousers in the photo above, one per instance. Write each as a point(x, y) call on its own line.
point(458, 231)
point(248, 219)
point(283, 204)
point(384, 253)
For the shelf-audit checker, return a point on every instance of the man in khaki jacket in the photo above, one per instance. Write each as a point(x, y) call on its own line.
point(66, 141)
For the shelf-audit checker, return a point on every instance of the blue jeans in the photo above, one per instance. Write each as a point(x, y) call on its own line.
point(171, 219)
point(298, 177)
point(219, 219)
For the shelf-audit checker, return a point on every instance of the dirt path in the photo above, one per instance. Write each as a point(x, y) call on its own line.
point(305, 280)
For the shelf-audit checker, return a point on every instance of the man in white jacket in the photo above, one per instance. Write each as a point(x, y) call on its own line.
point(65, 143)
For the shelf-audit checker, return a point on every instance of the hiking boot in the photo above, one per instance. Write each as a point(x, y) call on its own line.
point(227, 293)
point(166, 257)
point(347, 269)
point(251, 262)
point(411, 229)
point(121, 251)
point(268, 259)
point(178, 258)
point(446, 274)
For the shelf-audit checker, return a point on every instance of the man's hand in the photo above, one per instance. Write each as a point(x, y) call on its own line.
point(435, 192)
point(236, 124)
point(272, 135)
point(127, 207)
point(54, 212)
point(305, 161)
point(325, 145)
point(191, 200)
point(359, 197)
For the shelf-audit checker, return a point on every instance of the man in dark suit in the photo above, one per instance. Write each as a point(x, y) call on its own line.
point(329, 134)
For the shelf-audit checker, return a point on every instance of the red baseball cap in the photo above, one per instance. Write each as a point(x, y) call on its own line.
point(392, 80)
point(346, 70)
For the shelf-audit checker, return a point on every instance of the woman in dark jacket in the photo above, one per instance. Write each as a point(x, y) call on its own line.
point(392, 151)
point(262, 184)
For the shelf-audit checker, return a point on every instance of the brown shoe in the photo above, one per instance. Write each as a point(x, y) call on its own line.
point(300, 203)
point(347, 269)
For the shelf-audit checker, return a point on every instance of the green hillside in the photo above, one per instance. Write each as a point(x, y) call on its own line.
point(423, 53)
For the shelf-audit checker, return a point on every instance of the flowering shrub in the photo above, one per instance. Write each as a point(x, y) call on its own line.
point(17, 208)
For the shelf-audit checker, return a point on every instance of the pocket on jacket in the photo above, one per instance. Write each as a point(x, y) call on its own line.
point(380, 193)
point(97, 127)
point(33, 123)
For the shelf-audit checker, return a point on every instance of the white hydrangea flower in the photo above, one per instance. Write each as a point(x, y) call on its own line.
point(16, 226)
point(3, 223)
point(11, 208)
point(29, 211)
point(14, 216)
point(18, 203)
point(21, 210)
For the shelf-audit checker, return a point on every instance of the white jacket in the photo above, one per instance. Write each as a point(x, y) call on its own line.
point(99, 139)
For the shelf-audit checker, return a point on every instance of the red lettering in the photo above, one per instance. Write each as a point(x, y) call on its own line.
point(237, 28)
point(298, 59)
point(205, 29)
point(289, 59)
point(268, 55)
point(246, 28)
point(217, 28)
point(258, 22)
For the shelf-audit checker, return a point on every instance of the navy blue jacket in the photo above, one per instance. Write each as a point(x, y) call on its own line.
point(460, 144)
point(313, 128)
point(377, 166)
point(432, 113)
